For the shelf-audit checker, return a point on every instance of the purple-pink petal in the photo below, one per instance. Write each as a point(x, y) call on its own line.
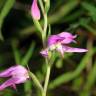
point(13, 70)
point(44, 52)
point(71, 49)
point(53, 39)
point(67, 37)
point(63, 38)
point(20, 71)
point(35, 11)
point(12, 81)
point(9, 83)
point(21, 80)
point(7, 73)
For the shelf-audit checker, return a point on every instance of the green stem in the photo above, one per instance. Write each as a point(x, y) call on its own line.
point(45, 23)
point(44, 46)
point(41, 5)
point(37, 83)
point(45, 29)
point(47, 79)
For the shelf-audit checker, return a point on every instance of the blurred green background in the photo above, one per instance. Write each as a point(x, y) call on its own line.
point(20, 43)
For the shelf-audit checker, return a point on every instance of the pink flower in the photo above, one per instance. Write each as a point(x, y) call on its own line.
point(60, 43)
point(64, 38)
point(18, 74)
point(35, 11)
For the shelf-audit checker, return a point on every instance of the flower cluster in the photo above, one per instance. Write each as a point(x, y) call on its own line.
point(60, 43)
point(18, 74)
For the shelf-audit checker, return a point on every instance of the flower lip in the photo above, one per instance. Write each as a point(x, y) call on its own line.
point(72, 49)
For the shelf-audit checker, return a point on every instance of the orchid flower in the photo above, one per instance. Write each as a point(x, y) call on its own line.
point(60, 43)
point(35, 11)
point(17, 74)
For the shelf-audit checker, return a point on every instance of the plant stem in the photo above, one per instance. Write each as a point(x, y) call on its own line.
point(44, 46)
point(47, 79)
point(36, 82)
point(45, 27)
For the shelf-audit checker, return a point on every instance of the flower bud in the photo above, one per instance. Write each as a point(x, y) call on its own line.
point(35, 11)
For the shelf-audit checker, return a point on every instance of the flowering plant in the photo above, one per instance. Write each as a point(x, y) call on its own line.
point(50, 42)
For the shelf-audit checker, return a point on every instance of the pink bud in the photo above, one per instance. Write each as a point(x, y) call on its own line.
point(35, 11)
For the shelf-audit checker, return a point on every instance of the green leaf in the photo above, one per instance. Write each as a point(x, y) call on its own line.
point(63, 11)
point(28, 55)
point(84, 23)
point(90, 82)
point(91, 9)
point(16, 52)
point(4, 12)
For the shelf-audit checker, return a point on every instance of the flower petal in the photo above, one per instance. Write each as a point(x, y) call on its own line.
point(71, 49)
point(19, 71)
point(64, 38)
point(67, 37)
point(44, 52)
point(66, 34)
point(7, 72)
point(12, 81)
point(9, 82)
point(53, 39)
